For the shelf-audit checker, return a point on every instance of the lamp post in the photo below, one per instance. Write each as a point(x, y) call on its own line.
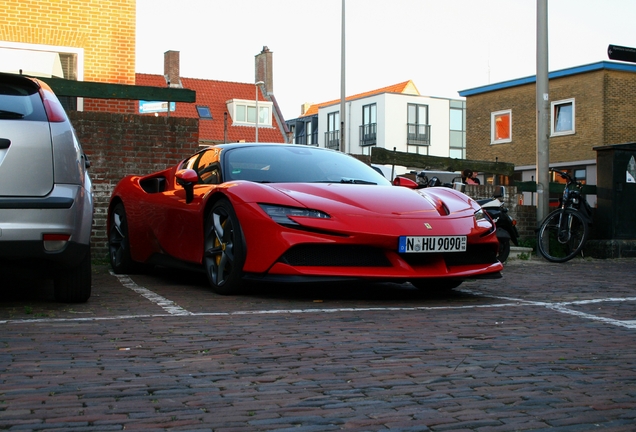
point(259, 83)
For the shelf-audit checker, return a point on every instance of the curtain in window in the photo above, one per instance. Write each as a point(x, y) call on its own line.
point(502, 127)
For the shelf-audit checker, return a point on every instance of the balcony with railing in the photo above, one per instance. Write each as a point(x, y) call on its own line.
point(418, 134)
point(312, 139)
point(369, 134)
point(332, 140)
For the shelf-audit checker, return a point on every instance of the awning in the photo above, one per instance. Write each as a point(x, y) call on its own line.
point(30, 62)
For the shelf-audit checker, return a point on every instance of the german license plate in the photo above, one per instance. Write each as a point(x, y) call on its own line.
point(430, 244)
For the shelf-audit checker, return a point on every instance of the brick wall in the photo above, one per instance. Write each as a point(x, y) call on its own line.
point(122, 144)
point(620, 109)
point(111, 105)
point(105, 29)
point(525, 215)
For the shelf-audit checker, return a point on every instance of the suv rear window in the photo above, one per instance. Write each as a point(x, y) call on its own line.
point(20, 100)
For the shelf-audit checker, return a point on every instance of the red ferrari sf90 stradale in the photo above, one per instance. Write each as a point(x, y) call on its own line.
point(279, 212)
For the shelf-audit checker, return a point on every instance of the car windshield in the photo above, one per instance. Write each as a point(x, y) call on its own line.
point(297, 164)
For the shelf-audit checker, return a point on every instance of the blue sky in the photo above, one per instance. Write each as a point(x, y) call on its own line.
point(443, 46)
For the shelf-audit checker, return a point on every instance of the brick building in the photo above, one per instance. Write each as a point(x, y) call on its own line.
point(84, 40)
point(591, 105)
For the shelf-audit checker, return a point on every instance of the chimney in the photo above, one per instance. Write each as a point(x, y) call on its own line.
point(171, 68)
point(304, 107)
point(264, 70)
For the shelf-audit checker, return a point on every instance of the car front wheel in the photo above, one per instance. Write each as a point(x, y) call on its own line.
point(224, 253)
point(118, 242)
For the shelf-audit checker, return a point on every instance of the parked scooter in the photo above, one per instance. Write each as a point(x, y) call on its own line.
point(506, 225)
point(496, 209)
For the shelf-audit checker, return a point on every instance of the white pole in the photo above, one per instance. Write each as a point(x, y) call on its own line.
point(343, 147)
point(543, 113)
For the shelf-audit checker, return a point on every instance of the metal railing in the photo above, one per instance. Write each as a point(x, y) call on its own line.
point(418, 134)
point(302, 139)
point(369, 134)
point(332, 140)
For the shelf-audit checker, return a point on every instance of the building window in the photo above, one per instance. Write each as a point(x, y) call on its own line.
point(368, 130)
point(244, 112)
point(457, 122)
point(418, 129)
point(309, 133)
point(501, 127)
point(45, 61)
point(563, 117)
point(332, 136)
point(204, 112)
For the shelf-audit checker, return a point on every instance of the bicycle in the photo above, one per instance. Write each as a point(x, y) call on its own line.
point(564, 231)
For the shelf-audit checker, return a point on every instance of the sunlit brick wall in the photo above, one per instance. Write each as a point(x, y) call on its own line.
point(122, 144)
point(105, 29)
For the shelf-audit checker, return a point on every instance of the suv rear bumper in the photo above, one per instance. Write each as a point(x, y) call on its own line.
point(68, 209)
point(28, 253)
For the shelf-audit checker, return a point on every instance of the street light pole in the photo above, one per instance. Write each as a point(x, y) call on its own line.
point(543, 113)
point(259, 83)
point(343, 97)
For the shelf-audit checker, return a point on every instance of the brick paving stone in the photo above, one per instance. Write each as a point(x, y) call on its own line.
point(475, 362)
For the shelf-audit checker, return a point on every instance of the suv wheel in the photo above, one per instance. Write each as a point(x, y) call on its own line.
point(74, 285)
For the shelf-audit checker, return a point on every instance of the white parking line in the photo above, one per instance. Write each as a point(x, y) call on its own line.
point(173, 309)
point(561, 307)
point(168, 305)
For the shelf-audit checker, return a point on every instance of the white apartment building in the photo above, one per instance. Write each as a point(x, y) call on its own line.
point(395, 117)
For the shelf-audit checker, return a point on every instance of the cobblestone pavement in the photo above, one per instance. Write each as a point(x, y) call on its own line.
point(547, 347)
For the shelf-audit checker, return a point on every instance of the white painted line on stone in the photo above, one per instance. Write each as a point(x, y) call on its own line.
point(173, 309)
point(168, 305)
point(561, 307)
point(627, 324)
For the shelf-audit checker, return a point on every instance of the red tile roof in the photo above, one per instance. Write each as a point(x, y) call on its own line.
point(215, 94)
point(403, 87)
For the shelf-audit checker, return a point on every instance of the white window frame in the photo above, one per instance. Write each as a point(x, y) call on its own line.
point(553, 120)
point(265, 109)
point(79, 52)
point(493, 117)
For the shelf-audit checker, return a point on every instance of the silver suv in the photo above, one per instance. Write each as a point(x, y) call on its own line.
point(46, 202)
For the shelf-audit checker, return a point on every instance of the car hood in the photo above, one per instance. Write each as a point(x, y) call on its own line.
point(390, 201)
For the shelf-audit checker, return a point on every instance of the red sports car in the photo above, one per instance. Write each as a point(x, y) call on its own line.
point(279, 212)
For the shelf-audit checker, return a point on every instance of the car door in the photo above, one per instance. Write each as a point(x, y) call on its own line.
point(180, 230)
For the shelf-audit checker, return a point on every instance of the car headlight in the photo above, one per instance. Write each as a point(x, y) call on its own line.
point(282, 214)
point(483, 220)
point(480, 215)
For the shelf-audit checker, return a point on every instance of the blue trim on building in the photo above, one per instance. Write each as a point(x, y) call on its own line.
point(625, 67)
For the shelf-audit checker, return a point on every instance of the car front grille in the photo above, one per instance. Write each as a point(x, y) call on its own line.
point(478, 254)
point(320, 255)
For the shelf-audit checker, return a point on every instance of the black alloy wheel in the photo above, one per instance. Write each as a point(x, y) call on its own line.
point(504, 250)
point(224, 253)
point(118, 241)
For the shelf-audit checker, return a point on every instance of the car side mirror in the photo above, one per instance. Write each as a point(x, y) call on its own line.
point(405, 182)
point(187, 178)
point(87, 162)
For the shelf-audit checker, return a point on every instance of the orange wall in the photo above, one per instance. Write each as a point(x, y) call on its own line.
point(104, 28)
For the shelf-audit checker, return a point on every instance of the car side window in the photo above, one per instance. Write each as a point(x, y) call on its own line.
point(206, 164)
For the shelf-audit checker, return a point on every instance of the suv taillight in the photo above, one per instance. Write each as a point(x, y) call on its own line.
point(54, 109)
point(55, 242)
